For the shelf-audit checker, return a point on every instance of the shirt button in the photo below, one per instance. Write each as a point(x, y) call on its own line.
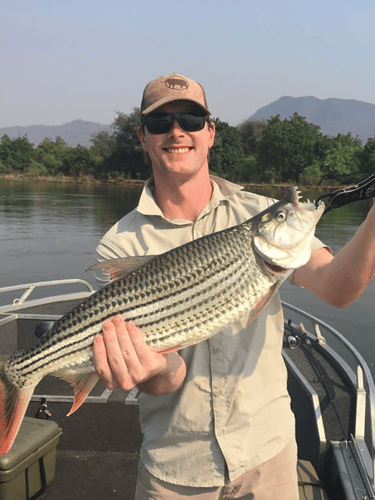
point(230, 494)
point(216, 350)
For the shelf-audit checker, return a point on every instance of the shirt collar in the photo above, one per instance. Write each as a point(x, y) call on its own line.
point(222, 190)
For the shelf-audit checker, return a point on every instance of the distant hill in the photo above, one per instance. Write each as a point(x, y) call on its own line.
point(332, 115)
point(73, 133)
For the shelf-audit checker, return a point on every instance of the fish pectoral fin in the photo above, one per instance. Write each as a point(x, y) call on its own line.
point(118, 268)
point(169, 349)
point(13, 405)
point(261, 304)
point(82, 380)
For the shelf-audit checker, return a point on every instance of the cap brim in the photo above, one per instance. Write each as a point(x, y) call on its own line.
point(165, 100)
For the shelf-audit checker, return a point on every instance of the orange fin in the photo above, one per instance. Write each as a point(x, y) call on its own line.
point(261, 304)
point(83, 380)
point(169, 349)
point(13, 405)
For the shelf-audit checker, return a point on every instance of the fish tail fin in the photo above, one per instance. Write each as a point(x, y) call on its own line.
point(13, 405)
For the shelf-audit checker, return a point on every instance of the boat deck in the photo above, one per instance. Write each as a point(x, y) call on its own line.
point(93, 474)
point(91, 461)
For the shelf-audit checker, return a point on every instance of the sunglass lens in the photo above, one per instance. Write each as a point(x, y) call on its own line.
point(162, 123)
point(191, 123)
point(158, 124)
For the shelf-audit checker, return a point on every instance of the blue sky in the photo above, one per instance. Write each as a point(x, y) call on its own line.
point(63, 60)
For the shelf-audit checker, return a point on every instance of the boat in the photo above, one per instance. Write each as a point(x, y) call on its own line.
point(332, 396)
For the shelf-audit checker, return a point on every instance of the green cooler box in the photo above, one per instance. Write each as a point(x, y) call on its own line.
point(30, 464)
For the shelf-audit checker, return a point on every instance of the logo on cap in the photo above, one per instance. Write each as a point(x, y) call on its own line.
point(177, 83)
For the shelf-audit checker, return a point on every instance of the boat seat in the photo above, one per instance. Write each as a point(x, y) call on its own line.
point(309, 485)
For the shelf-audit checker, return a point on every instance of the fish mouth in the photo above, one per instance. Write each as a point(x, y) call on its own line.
point(274, 268)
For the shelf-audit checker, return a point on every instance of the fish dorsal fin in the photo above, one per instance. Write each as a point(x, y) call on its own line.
point(117, 268)
point(83, 380)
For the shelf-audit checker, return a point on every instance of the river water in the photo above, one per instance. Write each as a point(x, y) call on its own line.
point(49, 231)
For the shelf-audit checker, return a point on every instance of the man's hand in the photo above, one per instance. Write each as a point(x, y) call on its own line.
point(122, 359)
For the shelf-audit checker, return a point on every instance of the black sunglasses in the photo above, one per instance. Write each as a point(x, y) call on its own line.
point(161, 123)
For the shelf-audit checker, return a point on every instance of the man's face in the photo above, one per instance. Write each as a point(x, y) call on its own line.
point(178, 152)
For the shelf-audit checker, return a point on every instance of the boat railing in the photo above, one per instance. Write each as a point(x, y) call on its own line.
point(360, 375)
point(29, 288)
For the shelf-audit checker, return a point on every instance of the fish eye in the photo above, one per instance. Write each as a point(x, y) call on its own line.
point(280, 216)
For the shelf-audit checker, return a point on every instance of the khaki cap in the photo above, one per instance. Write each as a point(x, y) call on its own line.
point(170, 88)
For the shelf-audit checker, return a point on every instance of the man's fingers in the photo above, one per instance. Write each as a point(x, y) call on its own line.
point(140, 347)
point(124, 340)
point(122, 358)
point(100, 362)
point(116, 361)
point(151, 361)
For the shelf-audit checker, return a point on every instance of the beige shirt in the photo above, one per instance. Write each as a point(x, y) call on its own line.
point(233, 411)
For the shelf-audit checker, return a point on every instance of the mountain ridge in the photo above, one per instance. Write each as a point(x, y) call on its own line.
point(75, 132)
point(333, 115)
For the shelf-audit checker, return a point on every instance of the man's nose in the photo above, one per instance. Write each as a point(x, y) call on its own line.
point(176, 128)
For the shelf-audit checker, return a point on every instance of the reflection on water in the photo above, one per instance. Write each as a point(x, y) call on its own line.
point(50, 231)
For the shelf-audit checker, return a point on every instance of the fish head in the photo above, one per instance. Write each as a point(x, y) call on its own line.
point(283, 233)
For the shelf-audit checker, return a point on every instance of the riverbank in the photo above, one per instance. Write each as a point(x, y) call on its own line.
point(63, 179)
point(120, 181)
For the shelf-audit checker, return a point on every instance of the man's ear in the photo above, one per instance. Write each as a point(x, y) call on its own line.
point(211, 130)
point(142, 138)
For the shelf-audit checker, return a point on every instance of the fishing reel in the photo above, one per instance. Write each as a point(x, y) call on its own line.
point(293, 341)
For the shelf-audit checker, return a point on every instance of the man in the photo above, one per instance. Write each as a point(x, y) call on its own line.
point(215, 417)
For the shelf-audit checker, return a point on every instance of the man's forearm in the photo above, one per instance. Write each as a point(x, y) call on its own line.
point(354, 265)
point(341, 279)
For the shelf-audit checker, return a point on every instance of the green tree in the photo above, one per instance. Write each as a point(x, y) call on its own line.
point(367, 157)
point(126, 154)
point(342, 159)
point(251, 134)
point(50, 154)
point(16, 154)
point(227, 155)
point(287, 147)
point(78, 161)
point(312, 175)
point(103, 143)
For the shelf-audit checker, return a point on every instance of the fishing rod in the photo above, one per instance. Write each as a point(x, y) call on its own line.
point(364, 190)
